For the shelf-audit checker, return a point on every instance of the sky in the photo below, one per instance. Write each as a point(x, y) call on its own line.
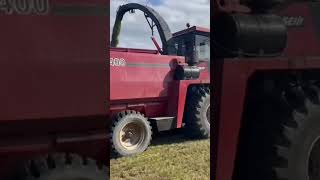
point(135, 31)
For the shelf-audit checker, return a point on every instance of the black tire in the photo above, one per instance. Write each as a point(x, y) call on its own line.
point(197, 112)
point(60, 167)
point(141, 131)
point(285, 138)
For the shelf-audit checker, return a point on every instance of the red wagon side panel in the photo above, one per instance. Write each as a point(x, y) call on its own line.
point(54, 65)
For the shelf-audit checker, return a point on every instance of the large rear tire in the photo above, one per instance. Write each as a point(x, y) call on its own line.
point(197, 112)
point(284, 141)
point(61, 167)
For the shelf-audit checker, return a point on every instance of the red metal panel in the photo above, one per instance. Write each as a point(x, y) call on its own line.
point(302, 53)
point(302, 40)
point(54, 65)
point(230, 6)
point(192, 29)
point(182, 94)
point(144, 76)
point(145, 82)
point(232, 93)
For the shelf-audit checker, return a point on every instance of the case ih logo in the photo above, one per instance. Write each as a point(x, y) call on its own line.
point(24, 7)
point(293, 21)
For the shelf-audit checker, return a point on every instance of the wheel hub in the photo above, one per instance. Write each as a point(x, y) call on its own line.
point(314, 161)
point(132, 135)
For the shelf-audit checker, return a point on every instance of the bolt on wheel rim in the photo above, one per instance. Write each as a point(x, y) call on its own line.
point(132, 135)
point(314, 161)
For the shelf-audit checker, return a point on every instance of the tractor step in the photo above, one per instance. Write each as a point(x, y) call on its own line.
point(163, 123)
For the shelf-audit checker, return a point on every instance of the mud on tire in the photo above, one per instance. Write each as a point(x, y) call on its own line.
point(60, 167)
point(197, 112)
point(131, 133)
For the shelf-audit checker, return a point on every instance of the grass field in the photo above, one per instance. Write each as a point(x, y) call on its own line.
point(170, 156)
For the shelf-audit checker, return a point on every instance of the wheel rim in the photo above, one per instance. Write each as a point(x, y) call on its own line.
point(132, 135)
point(314, 161)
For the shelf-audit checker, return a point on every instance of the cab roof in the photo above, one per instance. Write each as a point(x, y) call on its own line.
point(191, 29)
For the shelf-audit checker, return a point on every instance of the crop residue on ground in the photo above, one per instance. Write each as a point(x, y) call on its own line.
point(182, 160)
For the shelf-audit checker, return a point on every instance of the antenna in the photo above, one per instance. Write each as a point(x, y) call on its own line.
point(147, 2)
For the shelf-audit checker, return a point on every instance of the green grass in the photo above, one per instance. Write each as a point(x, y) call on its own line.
point(177, 159)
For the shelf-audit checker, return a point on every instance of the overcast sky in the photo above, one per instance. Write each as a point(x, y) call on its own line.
point(135, 31)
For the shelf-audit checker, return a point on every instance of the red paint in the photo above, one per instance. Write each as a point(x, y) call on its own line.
point(54, 74)
point(230, 6)
point(302, 41)
point(156, 44)
point(147, 84)
point(48, 64)
point(192, 29)
point(302, 53)
point(55, 84)
point(234, 79)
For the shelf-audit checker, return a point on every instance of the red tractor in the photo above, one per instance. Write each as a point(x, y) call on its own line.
point(54, 93)
point(158, 90)
point(266, 69)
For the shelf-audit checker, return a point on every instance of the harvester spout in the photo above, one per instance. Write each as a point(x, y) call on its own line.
point(159, 22)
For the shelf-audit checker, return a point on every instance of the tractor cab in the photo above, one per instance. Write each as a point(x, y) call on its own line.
point(192, 43)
